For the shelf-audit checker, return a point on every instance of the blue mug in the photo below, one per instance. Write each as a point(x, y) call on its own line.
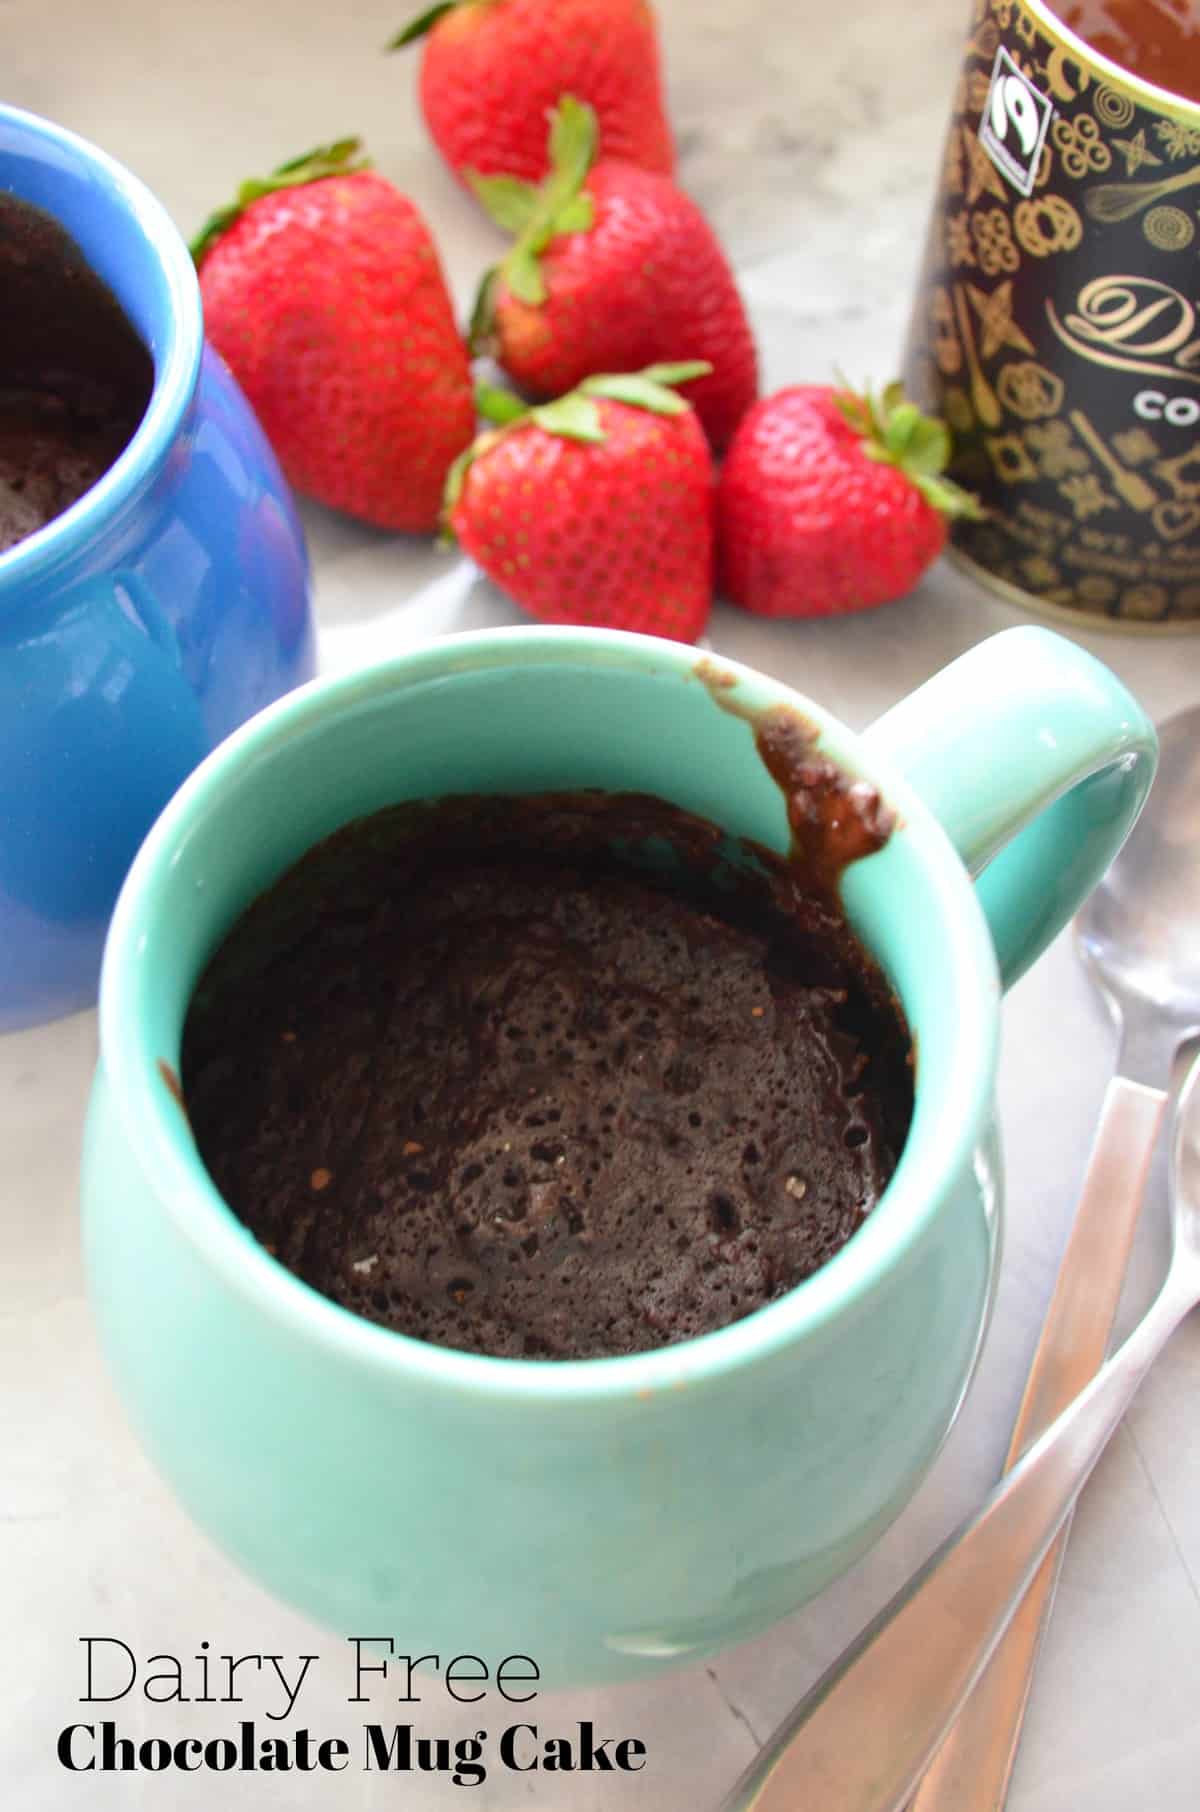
point(152, 617)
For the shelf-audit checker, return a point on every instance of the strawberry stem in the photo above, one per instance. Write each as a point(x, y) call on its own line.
point(338, 159)
point(894, 432)
point(570, 417)
point(497, 405)
point(650, 389)
point(536, 214)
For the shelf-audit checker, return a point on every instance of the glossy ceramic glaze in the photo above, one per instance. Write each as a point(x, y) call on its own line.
point(606, 1516)
point(146, 622)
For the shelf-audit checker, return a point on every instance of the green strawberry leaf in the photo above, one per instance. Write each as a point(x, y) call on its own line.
point(536, 216)
point(421, 24)
point(252, 190)
point(876, 417)
point(577, 216)
point(899, 428)
point(949, 498)
point(572, 152)
point(337, 159)
point(482, 325)
point(649, 389)
point(856, 412)
point(456, 477)
point(894, 432)
point(638, 391)
point(574, 416)
point(212, 229)
point(573, 140)
point(928, 449)
point(679, 373)
point(508, 200)
point(333, 156)
point(571, 417)
point(499, 406)
point(523, 274)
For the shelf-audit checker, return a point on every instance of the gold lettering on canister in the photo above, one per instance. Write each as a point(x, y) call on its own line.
point(1057, 328)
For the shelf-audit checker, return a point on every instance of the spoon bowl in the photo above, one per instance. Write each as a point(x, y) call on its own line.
point(1139, 932)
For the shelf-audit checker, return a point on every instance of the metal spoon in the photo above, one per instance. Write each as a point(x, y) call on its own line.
point(1140, 931)
point(860, 1740)
point(1139, 937)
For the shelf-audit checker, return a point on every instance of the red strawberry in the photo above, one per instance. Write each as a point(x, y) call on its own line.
point(493, 69)
point(831, 502)
point(613, 268)
point(323, 292)
point(595, 508)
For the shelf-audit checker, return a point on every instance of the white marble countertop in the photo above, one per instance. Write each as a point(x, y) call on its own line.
point(811, 136)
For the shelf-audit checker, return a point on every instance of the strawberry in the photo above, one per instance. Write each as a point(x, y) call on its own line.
point(831, 502)
point(323, 292)
point(493, 69)
point(595, 508)
point(612, 269)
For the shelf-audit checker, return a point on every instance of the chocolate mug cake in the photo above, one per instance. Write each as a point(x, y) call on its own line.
point(552, 1077)
point(75, 379)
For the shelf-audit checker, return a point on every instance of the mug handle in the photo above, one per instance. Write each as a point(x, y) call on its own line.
point(1036, 761)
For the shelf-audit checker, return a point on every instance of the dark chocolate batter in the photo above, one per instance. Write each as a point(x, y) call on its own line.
point(481, 1079)
point(75, 378)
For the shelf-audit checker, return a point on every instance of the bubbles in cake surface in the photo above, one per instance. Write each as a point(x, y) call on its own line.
point(563, 1111)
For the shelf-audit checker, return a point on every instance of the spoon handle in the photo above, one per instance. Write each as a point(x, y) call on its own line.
point(861, 1739)
point(971, 1771)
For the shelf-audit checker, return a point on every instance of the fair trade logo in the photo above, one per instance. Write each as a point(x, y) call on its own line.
point(1016, 118)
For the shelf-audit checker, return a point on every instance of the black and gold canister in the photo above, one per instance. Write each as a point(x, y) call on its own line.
point(1057, 326)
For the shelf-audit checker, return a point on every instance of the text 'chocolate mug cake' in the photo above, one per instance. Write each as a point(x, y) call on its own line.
point(559, 1076)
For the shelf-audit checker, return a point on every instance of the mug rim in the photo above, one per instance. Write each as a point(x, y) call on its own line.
point(1085, 54)
point(176, 355)
point(159, 1137)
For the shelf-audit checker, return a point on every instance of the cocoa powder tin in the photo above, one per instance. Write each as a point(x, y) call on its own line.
point(1056, 326)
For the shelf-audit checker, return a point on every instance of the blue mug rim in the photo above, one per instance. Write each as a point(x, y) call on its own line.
point(177, 350)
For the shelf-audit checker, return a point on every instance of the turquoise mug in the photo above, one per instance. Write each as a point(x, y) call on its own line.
point(607, 1516)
